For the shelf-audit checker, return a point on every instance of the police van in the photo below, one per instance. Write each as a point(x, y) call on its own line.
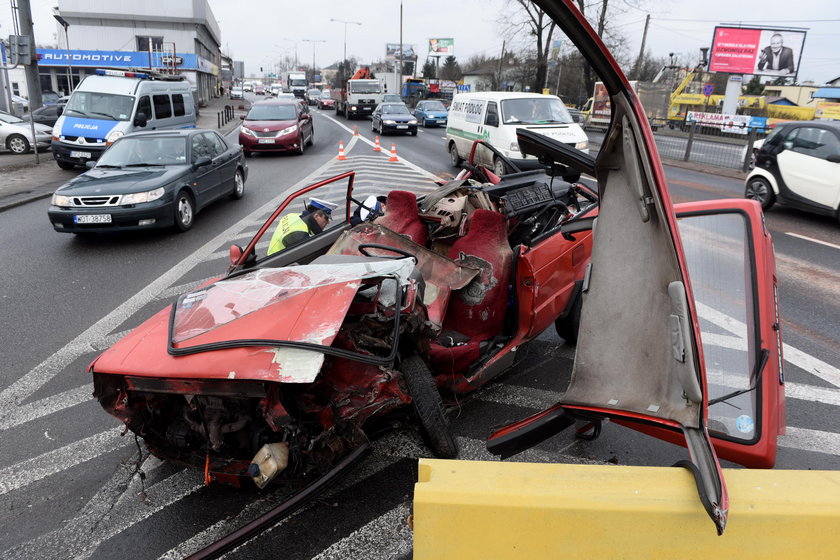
point(112, 103)
point(494, 118)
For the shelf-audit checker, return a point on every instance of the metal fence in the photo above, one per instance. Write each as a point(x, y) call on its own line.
point(710, 145)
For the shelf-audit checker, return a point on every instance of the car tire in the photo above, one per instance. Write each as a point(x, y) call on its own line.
point(66, 165)
point(429, 407)
point(184, 211)
point(247, 153)
point(499, 167)
point(372, 125)
point(312, 136)
point(238, 185)
point(414, 132)
point(17, 144)
point(301, 145)
point(567, 327)
point(425, 124)
point(455, 159)
point(759, 189)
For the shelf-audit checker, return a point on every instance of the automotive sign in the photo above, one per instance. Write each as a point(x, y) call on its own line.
point(757, 51)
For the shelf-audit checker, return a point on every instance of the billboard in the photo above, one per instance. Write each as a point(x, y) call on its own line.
point(392, 52)
point(442, 47)
point(761, 51)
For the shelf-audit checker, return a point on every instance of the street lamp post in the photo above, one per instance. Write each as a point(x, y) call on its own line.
point(313, 41)
point(63, 22)
point(344, 61)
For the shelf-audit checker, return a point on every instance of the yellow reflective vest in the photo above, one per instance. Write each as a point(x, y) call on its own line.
point(290, 223)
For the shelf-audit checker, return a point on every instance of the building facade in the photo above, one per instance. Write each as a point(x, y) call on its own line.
point(167, 36)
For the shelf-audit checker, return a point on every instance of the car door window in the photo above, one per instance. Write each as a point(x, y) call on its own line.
point(492, 117)
point(199, 147)
point(217, 147)
point(145, 106)
point(163, 106)
point(814, 142)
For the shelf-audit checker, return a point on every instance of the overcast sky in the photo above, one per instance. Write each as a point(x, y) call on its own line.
point(261, 31)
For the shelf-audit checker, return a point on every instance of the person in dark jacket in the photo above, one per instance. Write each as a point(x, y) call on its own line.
point(777, 57)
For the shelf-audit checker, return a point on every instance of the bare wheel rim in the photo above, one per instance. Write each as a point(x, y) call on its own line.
point(18, 145)
point(239, 187)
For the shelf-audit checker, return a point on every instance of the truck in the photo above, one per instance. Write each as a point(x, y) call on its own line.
point(360, 95)
point(294, 82)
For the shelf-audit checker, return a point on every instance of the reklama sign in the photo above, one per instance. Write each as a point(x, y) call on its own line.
point(746, 50)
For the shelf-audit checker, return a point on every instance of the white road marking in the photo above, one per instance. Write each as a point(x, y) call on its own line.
point(815, 441)
point(812, 240)
point(38, 468)
point(388, 535)
point(46, 406)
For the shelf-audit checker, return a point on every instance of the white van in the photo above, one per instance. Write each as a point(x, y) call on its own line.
point(494, 116)
point(112, 103)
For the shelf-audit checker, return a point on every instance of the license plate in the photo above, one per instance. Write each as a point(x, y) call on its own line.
point(402, 126)
point(266, 141)
point(83, 155)
point(92, 219)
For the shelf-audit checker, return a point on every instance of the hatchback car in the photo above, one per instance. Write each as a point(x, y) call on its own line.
point(236, 93)
point(325, 100)
point(431, 112)
point(150, 180)
point(16, 134)
point(277, 125)
point(799, 165)
point(393, 117)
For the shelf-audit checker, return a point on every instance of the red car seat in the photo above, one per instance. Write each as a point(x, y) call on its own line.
point(476, 312)
point(401, 217)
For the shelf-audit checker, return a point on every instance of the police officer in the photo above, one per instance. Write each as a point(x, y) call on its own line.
point(294, 228)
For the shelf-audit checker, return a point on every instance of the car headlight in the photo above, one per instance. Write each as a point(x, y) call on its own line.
point(247, 131)
point(113, 136)
point(582, 145)
point(352, 107)
point(412, 121)
point(61, 200)
point(514, 146)
point(289, 130)
point(389, 121)
point(138, 198)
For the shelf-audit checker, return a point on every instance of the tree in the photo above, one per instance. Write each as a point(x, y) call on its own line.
point(346, 69)
point(429, 69)
point(754, 86)
point(528, 20)
point(450, 70)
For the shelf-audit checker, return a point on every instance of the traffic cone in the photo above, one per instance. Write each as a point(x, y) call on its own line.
point(341, 150)
point(393, 153)
point(376, 147)
point(356, 130)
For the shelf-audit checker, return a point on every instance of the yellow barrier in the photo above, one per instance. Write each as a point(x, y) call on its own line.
point(489, 510)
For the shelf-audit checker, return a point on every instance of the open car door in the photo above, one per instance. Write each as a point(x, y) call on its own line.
point(640, 357)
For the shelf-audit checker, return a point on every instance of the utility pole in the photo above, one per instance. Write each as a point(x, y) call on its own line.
point(637, 68)
point(400, 73)
point(33, 83)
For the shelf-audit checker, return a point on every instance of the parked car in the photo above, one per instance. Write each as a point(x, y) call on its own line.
point(236, 92)
point(149, 180)
point(16, 134)
point(431, 111)
point(325, 100)
point(798, 165)
point(312, 96)
point(246, 365)
point(46, 115)
point(277, 125)
point(393, 117)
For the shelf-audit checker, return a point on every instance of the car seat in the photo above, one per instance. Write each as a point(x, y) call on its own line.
point(401, 216)
point(476, 312)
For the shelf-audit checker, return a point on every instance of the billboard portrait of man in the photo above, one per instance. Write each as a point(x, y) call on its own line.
point(776, 57)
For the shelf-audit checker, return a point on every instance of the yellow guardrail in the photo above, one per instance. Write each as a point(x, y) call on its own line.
point(489, 510)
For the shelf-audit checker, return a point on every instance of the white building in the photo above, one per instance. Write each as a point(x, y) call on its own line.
point(171, 36)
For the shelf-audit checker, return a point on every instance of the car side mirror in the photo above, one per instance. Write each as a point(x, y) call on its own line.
point(59, 111)
point(140, 120)
point(235, 254)
point(492, 120)
point(241, 117)
point(833, 158)
point(201, 162)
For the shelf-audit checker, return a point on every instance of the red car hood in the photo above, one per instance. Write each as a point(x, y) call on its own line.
point(301, 303)
point(268, 125)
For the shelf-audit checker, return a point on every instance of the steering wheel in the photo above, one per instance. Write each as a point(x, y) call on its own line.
point(365, 246)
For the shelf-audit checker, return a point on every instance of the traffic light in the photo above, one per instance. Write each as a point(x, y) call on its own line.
point(20, 49)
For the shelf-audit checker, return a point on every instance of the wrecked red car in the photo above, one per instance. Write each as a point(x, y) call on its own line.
point(284, 366)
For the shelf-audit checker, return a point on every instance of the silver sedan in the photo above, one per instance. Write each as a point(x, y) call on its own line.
point(16, 134)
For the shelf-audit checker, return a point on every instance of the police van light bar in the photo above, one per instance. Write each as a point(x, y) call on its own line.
point(122, 74)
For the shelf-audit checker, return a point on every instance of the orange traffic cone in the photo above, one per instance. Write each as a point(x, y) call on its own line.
point(376, 147)
point(356, 130)
point(341, 150)
point(393, 153)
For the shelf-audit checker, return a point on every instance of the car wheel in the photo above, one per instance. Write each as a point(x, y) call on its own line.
point(759, 189)
point(17, 144)
point(301, 144)
point(66, 165)
point(184, 211)
point(312, 136)
point(372, 125)
point(567, 328)
point(247, 153)
point(454, 158)
point(414, 132)
point(429, 407)
point(238, 186)
point(499, 167)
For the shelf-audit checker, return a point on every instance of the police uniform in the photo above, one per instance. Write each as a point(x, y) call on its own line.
point(294, 228)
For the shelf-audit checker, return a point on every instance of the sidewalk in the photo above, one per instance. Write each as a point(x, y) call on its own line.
point(25, 182)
